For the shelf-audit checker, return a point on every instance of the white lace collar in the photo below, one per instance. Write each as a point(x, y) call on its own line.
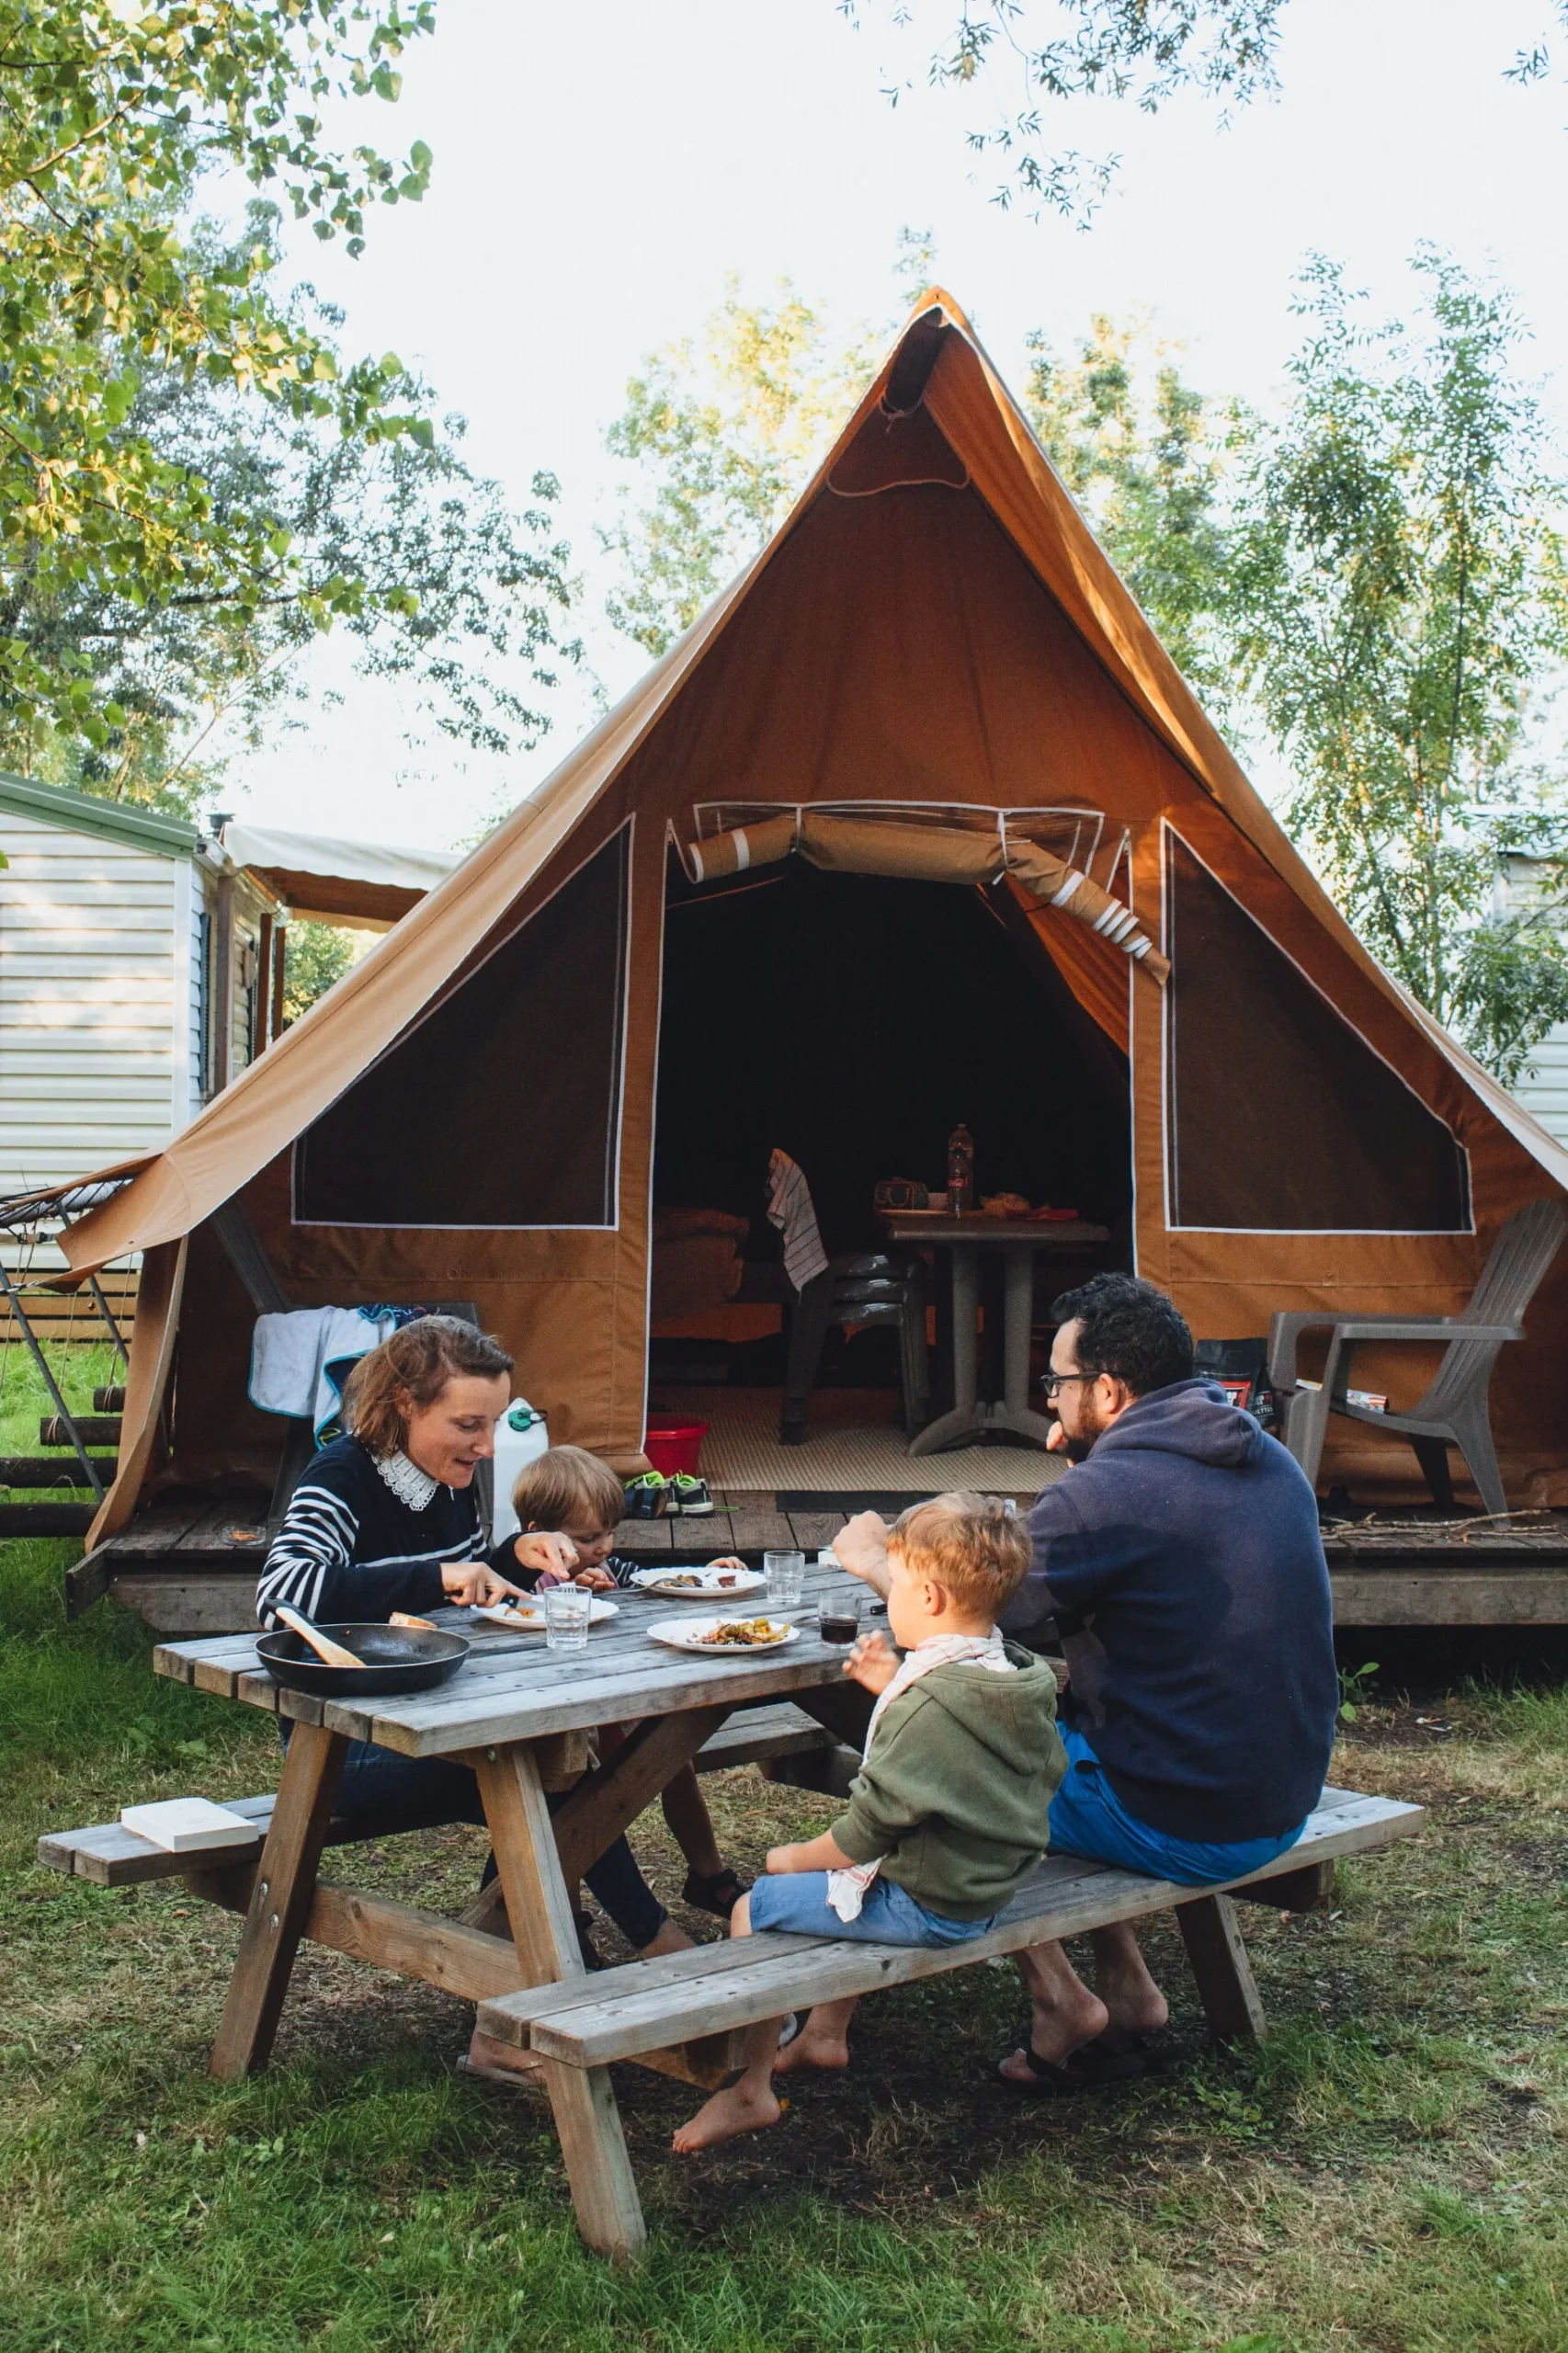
point(408, 1482)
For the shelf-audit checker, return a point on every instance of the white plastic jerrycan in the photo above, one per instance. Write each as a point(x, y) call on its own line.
point(520, 1437)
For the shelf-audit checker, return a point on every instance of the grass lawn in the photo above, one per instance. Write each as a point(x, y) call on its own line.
point(1390, 2171)
point(24, 1399)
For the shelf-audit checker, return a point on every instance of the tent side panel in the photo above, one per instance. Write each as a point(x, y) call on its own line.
point(1228, 1283)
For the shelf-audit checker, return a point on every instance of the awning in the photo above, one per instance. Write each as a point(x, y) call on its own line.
point(326, 880)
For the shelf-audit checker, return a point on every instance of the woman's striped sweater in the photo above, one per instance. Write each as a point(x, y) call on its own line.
point(349, 1552)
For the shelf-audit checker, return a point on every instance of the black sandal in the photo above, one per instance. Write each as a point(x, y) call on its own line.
point(1150, 2056)
point(1087, 2070)
point(718, 1891)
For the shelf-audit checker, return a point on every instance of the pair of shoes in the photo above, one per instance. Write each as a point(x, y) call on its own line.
point(1088, 2069)
point(652, 1494)
point(719, 1893)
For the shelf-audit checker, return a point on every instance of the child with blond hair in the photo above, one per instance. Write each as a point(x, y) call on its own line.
point(570, 1493)
point(946, 1817)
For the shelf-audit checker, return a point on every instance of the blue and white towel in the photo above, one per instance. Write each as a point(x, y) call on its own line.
point(300, 1360)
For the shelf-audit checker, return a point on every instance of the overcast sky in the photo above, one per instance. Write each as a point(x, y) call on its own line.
point(599, 168)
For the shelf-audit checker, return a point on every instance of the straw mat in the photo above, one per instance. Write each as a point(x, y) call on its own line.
point(852, 1443)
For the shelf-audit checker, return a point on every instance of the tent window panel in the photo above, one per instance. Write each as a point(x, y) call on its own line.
point(503, 1106)
point(1280, 1117)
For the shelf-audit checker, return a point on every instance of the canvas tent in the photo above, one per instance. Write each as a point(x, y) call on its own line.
point(926, 726)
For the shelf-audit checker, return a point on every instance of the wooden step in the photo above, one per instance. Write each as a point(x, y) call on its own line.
point(108, 1401)
point(712, 1989)
point(93, 1429)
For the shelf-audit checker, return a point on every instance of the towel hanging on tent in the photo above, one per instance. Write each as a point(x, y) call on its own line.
point(300, 1360)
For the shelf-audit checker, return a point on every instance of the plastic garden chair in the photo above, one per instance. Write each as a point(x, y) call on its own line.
point(1455, 1410)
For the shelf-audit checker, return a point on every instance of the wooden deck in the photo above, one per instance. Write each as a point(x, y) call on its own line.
point(190, 1568)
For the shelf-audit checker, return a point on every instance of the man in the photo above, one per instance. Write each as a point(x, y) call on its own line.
point(1181, 1562)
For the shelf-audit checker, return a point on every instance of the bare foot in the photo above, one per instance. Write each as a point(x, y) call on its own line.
point(1064, 2022)
point(669, 1939)
point(1134, 2004)
point(744, 2108)
point(814, 2048)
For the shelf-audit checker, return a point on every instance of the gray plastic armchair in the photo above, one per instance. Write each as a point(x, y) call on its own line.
point(1455, 1410)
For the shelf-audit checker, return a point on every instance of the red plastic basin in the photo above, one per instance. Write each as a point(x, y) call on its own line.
point(673, 1443)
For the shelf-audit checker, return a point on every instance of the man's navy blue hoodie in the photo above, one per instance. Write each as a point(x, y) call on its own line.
point(1182, 1564)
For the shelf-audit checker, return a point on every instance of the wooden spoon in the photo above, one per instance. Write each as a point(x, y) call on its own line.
point(332, 1654)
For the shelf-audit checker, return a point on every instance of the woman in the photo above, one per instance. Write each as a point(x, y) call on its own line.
point(386, 1518)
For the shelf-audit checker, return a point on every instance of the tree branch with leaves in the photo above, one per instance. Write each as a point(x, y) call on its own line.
point(110, 117)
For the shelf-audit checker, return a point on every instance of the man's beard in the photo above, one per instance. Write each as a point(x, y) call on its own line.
point(1076, 1449)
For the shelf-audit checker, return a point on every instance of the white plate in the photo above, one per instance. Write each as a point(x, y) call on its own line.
point(686, 1634)
point(527, 1618)
point(739, 1582)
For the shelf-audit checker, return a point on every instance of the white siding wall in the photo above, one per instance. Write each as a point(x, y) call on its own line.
point(1543, 1088)
point(87, 1002)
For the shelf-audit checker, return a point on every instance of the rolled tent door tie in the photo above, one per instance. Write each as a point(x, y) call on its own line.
point(763, 844)
point(1056, 884)
point(917, 853)
point(909, 853)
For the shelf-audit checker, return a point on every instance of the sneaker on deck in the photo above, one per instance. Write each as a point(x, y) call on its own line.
point(688, 1494)
point(647, 1497)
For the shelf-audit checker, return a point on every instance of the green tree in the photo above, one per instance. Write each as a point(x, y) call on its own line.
point(111, 113)
point(430, 572)
point(1144, 456)
point(315, 956)
point(725, 430)
point(1397, 608)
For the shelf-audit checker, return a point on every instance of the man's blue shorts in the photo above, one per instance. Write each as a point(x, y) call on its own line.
point(797, 1900)
point(1087, 1818)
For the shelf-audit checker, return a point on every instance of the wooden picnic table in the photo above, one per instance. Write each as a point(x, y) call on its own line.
point(1017, 1240)
point(518, 1713)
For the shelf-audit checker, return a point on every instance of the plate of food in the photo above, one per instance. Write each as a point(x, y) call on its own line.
point(719, 1580)
point(526, 1615)
point(725, 1635)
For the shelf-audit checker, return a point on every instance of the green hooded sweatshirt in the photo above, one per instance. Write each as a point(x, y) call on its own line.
point(954, 1794)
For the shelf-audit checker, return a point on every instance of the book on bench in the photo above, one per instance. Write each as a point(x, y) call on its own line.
point(186, 1825)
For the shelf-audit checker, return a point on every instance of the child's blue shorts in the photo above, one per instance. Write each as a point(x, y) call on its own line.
point(1088, 1818)
point(797, 1900)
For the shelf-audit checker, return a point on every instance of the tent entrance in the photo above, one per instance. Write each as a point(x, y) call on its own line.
point(854, 1020)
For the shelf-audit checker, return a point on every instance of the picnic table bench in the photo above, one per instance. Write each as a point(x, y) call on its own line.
point(519, 1715)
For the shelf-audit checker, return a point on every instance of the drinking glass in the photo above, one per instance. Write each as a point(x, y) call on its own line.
point(566, 1613)
point(838, 1619)
point(785, 1574)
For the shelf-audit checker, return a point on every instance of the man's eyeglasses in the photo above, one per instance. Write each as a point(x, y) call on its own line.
point(1052, 1382)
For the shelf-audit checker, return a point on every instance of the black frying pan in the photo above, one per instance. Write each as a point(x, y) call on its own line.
point(397, 1658)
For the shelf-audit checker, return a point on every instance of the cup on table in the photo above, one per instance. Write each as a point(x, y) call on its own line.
point(567, 1608)
point(785, 1574)
point(838, 1619)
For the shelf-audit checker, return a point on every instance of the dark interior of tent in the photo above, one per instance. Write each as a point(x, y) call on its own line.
point(854, 1021)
